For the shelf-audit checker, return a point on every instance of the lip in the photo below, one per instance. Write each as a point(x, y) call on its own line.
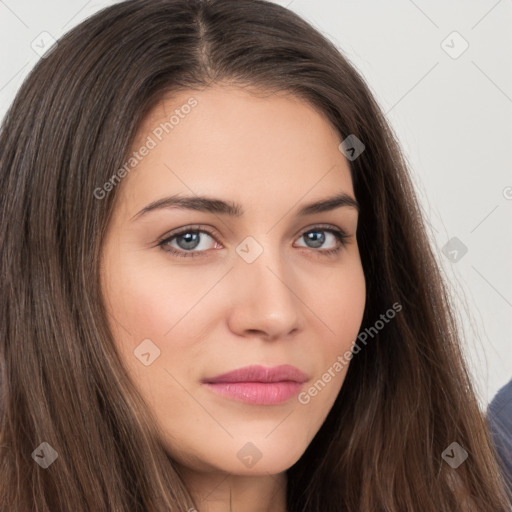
point(259, 385)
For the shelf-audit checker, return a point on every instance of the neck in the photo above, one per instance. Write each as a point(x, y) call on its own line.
point(221, 492)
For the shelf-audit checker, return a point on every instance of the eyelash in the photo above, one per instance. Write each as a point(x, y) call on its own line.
point(340, 235)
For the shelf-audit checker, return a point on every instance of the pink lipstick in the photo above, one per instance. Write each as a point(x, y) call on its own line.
point(259, 385)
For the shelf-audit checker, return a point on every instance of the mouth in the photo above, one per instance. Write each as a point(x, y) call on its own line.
point(258, 385)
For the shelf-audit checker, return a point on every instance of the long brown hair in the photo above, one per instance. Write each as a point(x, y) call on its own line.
point(407, 395)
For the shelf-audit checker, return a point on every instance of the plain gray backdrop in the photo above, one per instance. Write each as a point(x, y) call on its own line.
point(442, 73)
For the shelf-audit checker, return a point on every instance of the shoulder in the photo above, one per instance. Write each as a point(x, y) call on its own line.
point(499, 415)
point(499, 412)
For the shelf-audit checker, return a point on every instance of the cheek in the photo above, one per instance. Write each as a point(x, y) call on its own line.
point(145, 304)
point(151, 301)
point(338, 305)
point(338, 301)
point(347, 303)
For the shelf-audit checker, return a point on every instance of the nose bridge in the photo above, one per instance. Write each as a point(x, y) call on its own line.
point(265, 299)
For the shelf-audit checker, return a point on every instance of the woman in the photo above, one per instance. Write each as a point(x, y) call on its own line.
point(217, 288)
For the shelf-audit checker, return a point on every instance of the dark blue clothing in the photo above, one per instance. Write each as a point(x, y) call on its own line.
point(499, 416)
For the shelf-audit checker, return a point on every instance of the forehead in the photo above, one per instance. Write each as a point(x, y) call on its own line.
point(229, 141)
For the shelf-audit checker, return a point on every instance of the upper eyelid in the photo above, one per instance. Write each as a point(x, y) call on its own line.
point(200, 228)
point(212, 231)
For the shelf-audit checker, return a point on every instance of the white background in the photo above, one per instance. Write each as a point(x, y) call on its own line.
point(453, 117)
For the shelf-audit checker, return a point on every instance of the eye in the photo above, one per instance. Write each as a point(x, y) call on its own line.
point(317, 238)
point(193, 240)
point(187, 239)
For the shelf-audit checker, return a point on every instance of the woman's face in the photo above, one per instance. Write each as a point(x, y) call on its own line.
point(235, 290)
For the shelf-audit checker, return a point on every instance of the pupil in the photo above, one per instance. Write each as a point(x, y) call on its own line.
point(191, 240)
point(318, 240)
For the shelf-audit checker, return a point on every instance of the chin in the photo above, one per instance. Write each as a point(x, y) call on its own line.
point(261, 456)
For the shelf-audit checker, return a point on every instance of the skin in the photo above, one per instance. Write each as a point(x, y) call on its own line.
point(212, 313)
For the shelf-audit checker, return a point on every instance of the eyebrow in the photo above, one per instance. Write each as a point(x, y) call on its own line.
point(219, 206)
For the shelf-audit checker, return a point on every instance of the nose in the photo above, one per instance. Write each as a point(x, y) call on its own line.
point(265, 302)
